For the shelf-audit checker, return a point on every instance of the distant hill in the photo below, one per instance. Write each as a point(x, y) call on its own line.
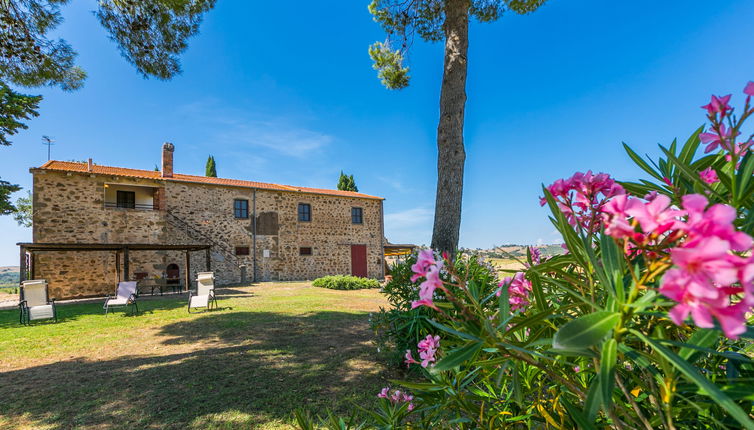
point(9, 275)
point(519, 251)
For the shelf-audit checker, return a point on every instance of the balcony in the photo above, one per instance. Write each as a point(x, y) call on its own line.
point(137, 206)
point(121, 196)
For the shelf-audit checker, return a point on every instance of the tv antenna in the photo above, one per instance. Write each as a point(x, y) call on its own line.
point(47, 140)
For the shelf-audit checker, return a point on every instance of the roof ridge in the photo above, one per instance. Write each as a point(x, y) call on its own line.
point(183, 177)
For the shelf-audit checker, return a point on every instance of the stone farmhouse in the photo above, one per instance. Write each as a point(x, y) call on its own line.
point(251, 231)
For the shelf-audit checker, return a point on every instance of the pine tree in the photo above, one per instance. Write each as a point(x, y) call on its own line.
point(433, 21)
point(210, 169)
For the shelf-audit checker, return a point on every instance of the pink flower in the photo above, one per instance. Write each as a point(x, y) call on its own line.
point(715, 139)
point(616, 219)
point(715, 221)
point(576, 369)
point(749, 89)
point(518, 290)
point(718, 104)
point(428, 303)
point(427, 288)
point(709, 175)
point(409, 358)
point(653, 217)
point(397, 397)
point(424, 261)
point(426, 267)
point(427, 349)
point(581, 197)
point(709, 281)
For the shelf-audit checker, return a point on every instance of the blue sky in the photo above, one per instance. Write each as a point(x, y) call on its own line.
point(286, 94)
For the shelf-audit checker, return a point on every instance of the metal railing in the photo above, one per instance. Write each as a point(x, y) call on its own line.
point(143, 207)
point(190, 231)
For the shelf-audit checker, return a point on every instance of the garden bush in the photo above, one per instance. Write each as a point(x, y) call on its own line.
point(345, 282)
point(644, 323)
point(402, 325)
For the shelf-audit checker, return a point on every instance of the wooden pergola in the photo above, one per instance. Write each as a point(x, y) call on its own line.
point(397, 250)
point(118, 248)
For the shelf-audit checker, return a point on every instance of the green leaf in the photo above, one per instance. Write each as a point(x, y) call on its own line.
point(592, 404)
point(690, 147)
point(703, 338)
point(585, 331)
point(744, 175)
point(607, 370)
point(571, 238)
point(418, 386)
point(707, 387)
point(578, 417)
point(640, 162)
point(458, 356)
point(453, 331)
point(690, 174)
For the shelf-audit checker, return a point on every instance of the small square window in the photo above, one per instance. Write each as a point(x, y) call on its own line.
point(357, 216)
point(242, 250)
point(304, 212)
point(241, 208)
point(305, 251)
point(126, 199)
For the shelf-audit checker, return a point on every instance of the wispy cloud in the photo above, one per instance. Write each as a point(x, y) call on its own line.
point(286, 139)
point(234, 129)
point(395, 183)
point(408, 218)
point(409, 226)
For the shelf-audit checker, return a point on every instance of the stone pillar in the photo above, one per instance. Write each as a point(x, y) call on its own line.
point(167, 159)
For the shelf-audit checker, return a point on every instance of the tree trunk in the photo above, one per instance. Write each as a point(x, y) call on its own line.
point(451, 155)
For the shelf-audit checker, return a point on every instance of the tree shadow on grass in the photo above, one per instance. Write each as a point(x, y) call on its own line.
point(9, 319)
point(251, 369)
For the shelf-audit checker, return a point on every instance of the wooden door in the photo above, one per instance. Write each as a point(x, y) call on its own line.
point(359, 260)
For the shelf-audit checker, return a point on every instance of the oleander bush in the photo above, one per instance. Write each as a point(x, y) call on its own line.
point(645, 323)
point(345, 282)
point(401, 325)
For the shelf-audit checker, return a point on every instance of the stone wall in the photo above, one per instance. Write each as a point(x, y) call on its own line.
point(71, 208)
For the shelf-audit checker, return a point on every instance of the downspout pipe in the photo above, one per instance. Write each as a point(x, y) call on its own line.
point(254, 234)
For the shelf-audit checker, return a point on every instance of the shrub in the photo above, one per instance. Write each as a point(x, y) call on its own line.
point(345, 282)
point(645, 322)
point(402, 326)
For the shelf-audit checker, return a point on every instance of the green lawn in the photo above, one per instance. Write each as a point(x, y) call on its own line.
point(268, 350)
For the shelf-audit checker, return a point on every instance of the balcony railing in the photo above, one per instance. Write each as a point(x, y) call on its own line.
point(137, 206)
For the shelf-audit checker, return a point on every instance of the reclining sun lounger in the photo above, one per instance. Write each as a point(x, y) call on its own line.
point(35, 303)
point(205, 292)
point(125, 295)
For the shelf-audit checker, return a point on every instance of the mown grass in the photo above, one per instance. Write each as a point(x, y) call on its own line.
point(267, 351)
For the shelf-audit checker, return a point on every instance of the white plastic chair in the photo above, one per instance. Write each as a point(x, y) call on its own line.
point(35, 303)
point(205, 292)
point(125, 295)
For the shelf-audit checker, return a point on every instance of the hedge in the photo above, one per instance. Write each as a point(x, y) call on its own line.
point(345, 282)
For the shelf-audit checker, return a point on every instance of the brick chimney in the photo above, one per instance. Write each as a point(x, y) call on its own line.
point(89, 166)
point(167, 159)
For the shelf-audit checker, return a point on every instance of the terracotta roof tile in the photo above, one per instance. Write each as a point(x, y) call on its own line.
point(70, 166)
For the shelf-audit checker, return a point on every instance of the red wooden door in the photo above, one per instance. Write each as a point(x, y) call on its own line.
point(359, 260)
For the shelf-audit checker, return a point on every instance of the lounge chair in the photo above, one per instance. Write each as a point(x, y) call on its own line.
point(205, 292)
point(125, 295)
point(35, 303)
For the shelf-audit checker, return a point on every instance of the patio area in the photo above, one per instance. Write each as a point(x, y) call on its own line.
point(269, 349)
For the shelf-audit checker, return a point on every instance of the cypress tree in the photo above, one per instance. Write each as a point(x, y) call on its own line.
point(210, 169)
point(346, 183)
